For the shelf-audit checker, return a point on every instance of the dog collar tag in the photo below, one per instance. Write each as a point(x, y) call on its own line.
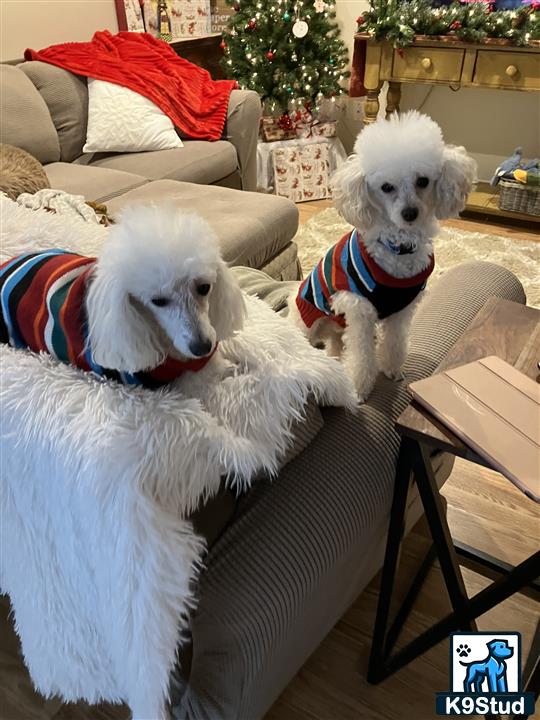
point(398, 249)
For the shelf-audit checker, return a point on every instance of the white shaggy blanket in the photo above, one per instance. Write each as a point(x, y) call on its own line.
point(97, 480)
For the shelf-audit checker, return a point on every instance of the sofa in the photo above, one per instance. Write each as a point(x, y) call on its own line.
point(43, 110)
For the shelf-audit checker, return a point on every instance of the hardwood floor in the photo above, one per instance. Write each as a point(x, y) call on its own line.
point(484, 510)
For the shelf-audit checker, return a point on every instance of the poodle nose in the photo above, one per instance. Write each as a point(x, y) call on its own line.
point(200, 347)
point(409, 214)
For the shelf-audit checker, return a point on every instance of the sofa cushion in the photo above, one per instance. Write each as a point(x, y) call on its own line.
point(66, 97)
point(252, 228)
point(198, 162)
point(26, 122)
point(96, 184)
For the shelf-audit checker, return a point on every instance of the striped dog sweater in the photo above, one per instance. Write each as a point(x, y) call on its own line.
point(348, 266)
point(42, 309)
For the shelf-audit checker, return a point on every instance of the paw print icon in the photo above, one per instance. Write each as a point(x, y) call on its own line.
point(463, 650)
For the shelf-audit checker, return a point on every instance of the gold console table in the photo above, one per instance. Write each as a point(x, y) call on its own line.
point(445, 61)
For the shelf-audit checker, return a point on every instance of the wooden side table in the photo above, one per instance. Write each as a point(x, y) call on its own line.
point(512, 332)
point(442, 60)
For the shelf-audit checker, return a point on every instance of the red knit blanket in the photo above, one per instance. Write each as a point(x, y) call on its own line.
point(196, 104)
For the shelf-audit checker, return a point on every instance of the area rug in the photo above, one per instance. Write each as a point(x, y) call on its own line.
point(452, 247)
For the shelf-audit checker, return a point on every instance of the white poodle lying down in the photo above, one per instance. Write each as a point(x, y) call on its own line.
point(154, 304)
point(400, 180)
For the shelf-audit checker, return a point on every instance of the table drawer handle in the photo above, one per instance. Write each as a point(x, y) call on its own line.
point(426, 63)
point(512, 71)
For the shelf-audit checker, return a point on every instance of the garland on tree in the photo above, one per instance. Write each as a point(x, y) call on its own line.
point(285, 50)
point(400, 20)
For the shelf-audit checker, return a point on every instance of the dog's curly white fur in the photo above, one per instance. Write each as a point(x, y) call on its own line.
point(400, 180)
point(160, 289)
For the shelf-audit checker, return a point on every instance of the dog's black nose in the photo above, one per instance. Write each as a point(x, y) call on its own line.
point(200, 347)
point(409, 214)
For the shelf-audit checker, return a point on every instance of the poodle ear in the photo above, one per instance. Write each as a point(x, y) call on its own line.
point(351, 193)
point(227, 309)
point(120, 337)
point(455, 182)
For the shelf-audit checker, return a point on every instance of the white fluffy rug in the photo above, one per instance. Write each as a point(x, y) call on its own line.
point(97, 482)
point(452, 247)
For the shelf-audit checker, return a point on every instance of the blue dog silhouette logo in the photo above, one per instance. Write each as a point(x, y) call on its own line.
point(488, 674)
point(485, 676)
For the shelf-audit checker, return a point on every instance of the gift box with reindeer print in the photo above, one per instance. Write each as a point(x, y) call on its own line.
point(301, 172)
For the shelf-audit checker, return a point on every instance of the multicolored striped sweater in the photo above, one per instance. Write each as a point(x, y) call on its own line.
point(42, 309)
point(348, 266)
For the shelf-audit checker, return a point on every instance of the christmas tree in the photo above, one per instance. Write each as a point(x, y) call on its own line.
point(289, 52)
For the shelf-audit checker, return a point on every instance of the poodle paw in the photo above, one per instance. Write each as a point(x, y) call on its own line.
point(363, 388)
point(393, 373)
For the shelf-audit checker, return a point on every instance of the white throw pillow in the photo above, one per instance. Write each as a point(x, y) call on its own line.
point(120, 120)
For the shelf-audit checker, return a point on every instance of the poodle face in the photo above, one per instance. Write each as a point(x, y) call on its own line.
point(406, 199)
point(401, 178)
point(160, 289)
point(180, 305)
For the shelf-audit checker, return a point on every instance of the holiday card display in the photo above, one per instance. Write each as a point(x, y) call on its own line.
point(285, 50)
point(186, 18)
point(301, 172)
point(400, 21)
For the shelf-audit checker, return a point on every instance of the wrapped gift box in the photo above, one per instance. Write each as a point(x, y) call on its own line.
point(271, 130)
point(301, 172)
point(189, 18)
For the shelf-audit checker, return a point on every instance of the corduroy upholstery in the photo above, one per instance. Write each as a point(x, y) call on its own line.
point(304, 546)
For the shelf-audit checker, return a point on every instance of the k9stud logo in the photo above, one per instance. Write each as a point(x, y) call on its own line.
point(485, 676)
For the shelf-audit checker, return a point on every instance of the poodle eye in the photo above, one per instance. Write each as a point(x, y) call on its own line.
point(160, 301)
point(387, 188)
point(203, 289)
point(422, 182)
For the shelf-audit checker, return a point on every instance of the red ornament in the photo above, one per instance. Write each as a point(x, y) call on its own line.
point(252, 24)
point(223, 45)
point(400, 52)
point(456, 25)
point(360, 20)
point(270, 55)
point(535, 6)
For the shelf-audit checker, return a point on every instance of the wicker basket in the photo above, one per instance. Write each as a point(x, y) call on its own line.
point(516, 197)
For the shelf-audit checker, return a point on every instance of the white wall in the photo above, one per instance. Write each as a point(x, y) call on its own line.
point(490, 123)
point(38, 23)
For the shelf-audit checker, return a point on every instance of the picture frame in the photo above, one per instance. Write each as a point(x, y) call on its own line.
point(130, 15)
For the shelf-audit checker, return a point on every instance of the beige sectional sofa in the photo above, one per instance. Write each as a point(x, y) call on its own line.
point(44, 111)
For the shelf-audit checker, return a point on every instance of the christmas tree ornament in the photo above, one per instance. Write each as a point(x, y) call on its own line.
point(270, 55)
point(286, 16)
point(236, 7)
point(319, 6)
point(223, 45)
point(300, 28)
point(252, 24)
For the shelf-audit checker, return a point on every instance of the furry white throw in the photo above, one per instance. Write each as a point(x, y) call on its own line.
point(97, 482)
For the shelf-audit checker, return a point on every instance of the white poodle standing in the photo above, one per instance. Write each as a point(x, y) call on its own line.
point(400, 180)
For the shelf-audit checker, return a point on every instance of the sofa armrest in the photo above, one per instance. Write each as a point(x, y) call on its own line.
point(242, 130)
